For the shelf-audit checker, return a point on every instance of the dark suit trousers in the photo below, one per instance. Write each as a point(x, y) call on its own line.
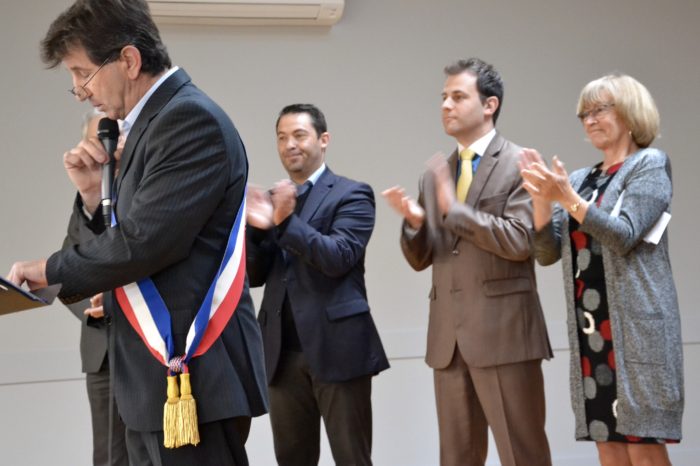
point(98, 394)
point(508, 398)
point(298, 401)
point(222, 444)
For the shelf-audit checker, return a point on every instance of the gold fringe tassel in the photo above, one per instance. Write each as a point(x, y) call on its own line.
point(171, 415)
point(188, 432)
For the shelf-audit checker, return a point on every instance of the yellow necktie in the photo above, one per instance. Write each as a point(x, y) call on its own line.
point(465, 174)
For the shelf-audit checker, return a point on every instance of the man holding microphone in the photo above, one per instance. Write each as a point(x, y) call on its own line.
point(180, 305)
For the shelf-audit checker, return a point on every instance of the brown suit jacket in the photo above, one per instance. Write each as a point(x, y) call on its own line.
point(484, 295)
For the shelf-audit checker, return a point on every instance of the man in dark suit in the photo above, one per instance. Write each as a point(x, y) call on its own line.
point(486, 332)
point(181, 182)
point(306, 243)
point(108, 430)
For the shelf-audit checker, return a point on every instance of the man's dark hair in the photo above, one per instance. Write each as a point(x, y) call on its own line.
point(318, 120)
point(488, 80)
point(103, 28)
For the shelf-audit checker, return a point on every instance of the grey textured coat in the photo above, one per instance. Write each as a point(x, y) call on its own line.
point(642, 300)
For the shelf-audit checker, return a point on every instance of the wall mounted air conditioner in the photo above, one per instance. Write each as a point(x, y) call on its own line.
point(248, 12)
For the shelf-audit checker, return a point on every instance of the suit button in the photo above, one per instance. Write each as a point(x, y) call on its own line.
point(455, 252)
point(279, 312)
point(284, 280)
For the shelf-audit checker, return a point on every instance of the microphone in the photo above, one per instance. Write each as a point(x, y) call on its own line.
point(108, 134)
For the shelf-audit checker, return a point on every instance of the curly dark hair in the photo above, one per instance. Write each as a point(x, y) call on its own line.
point(103, 28)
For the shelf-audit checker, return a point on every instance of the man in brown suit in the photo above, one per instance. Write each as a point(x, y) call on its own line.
point(486, 332)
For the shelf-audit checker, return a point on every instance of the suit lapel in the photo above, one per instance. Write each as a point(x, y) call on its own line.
point(317, 194)
point(452, 163)
point(488, 162)
point(153, 106)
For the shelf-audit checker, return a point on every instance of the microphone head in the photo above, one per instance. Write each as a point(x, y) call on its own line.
point(108, 129)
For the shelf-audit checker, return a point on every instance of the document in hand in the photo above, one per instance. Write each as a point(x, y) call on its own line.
point(15, 299)
point(654, 235)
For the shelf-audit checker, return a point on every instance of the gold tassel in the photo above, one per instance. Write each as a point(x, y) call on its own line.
point(188, 432)
point(171, 415)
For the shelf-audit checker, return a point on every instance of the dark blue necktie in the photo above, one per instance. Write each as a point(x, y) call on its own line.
point(302, 193)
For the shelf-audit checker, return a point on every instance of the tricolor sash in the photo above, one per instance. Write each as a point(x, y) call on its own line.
point(145, 310)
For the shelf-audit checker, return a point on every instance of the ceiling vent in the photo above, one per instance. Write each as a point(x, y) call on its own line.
point(248, 12)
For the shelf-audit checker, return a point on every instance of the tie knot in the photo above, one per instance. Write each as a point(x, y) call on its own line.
point(304, 188)
point(467, 154)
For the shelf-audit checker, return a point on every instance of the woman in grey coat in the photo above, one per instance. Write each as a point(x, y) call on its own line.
point(607, 223)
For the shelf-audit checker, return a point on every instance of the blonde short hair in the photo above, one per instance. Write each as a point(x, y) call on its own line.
point(633, 103)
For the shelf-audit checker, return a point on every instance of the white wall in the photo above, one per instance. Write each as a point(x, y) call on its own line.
point(377, 75)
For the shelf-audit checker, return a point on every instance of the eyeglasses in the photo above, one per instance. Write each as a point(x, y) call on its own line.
point(81, 91)
point(594, 112)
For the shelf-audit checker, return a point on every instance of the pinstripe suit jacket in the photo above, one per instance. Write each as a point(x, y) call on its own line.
point(93, 335)
point(181, 182)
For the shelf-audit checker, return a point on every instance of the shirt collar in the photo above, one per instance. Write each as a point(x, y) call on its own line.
point(317, 174)
point(130, 119)
point(480, 145)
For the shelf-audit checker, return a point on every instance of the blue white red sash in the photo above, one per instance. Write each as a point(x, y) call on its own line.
point(146, 312)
